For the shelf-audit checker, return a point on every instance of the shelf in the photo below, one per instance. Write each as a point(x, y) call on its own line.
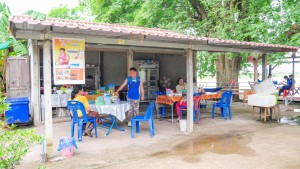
point(92, 67)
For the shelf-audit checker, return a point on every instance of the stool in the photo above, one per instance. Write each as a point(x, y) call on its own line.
point(265, 110)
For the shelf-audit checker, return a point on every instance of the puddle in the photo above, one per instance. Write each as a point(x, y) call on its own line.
point(218, 144)
point(191, 159)
point(163, 153)
point(288, 120)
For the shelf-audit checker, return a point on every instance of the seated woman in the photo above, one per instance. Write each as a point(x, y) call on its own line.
point(77, 95)
point(182, 102)
point(180, 85)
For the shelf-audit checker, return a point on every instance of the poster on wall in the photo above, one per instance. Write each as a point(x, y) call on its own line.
point(68, 61)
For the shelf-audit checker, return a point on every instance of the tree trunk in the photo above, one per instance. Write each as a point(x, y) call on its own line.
point(227, 68)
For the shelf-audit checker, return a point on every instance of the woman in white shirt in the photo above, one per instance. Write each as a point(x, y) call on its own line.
point(180, 85)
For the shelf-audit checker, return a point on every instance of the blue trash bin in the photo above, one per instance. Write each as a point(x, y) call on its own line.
point(19, 110)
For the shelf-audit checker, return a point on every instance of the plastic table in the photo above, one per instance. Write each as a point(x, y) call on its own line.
point(115, 111)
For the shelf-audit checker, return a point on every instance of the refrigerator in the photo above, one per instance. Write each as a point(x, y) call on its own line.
point(148, 70)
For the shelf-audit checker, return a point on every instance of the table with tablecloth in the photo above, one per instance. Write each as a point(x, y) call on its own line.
point(115, 111)
point(166, 100)
point(57, 101)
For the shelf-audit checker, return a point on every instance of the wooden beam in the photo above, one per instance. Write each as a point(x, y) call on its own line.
point(213, 48)
point(101, 55)
point(143, 43)
point(255, 70)
point(134, 49)
point(293, 72)
point(264, 66)
point(195, 70)
point(47, 94)
point(129, 60)
point(190, 101)
point(33, 51)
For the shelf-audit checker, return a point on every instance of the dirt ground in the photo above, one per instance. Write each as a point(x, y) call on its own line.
point(242, 142)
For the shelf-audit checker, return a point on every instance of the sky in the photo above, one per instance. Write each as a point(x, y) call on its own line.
point(44, 6)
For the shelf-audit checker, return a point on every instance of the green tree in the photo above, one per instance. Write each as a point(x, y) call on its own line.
point(80, 12)
point(246, 20)
point(14, 143)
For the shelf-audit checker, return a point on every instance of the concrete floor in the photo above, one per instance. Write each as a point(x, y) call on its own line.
point(238, 143)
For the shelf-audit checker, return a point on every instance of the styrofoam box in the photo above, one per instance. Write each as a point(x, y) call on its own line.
point(266, 87)
point(262, 100)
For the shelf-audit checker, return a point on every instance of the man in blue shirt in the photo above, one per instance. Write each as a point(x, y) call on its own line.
point(135, 93)
point(287, 85)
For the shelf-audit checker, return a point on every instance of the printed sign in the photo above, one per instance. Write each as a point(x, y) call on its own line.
point(68, 61)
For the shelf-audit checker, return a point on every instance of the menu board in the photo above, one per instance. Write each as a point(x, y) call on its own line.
point(68, 61)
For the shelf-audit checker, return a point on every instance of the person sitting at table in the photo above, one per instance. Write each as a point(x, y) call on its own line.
point(180, 85)
point(258, 80)
point(77, 94)
point(286, 85)
point(182, 102)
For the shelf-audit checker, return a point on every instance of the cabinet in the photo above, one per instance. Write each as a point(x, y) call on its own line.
point(18, 77)
point(149, 72)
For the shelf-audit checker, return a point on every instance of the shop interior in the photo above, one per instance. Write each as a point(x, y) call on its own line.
point(103, 68)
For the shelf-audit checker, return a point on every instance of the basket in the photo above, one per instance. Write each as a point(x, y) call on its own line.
point(67, 152)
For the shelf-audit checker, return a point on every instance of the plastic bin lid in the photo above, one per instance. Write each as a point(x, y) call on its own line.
point(20, 99)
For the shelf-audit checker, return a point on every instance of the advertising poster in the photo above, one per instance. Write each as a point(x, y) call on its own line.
point(68, 61)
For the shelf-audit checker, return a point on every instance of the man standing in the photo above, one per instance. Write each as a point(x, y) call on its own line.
point(135, 93)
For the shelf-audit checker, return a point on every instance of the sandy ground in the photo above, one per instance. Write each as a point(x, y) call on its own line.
point(238, 143)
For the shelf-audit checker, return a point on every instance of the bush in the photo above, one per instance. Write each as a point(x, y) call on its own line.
point(15, 143)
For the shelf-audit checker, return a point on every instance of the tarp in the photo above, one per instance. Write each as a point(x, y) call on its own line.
point(5, 45)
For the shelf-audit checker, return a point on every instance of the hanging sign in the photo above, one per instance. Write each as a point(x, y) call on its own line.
point(68, 61)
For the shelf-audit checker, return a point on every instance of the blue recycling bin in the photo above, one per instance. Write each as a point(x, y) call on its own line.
point(19, 110)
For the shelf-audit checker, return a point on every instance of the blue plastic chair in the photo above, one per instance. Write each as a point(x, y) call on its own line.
point(135, 121)
point(73, 106)
point(224, 105)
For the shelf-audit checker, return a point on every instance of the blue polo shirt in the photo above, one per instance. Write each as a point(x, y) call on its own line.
point(133, 88)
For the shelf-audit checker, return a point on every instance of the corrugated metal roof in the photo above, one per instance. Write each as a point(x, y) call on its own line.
point(23, 22)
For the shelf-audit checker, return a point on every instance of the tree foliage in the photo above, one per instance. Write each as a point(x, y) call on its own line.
point(265, 21)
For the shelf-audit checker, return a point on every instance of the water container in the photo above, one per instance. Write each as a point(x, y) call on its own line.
point(100, 100)
point(107, 99)
point(111, 87)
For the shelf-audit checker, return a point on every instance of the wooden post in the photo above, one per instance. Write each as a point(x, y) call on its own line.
point(129, 59)
point(293, 73)
point(263, 66)
point(255, 70)
point(190, 102)
point(47, 94)
point(195, 70)
point(35, 80)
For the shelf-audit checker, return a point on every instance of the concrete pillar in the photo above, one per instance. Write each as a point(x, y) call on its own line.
point(35, 80)
point(47, 94)
point(190, 102)
point(129, 60)
point(264, 66)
